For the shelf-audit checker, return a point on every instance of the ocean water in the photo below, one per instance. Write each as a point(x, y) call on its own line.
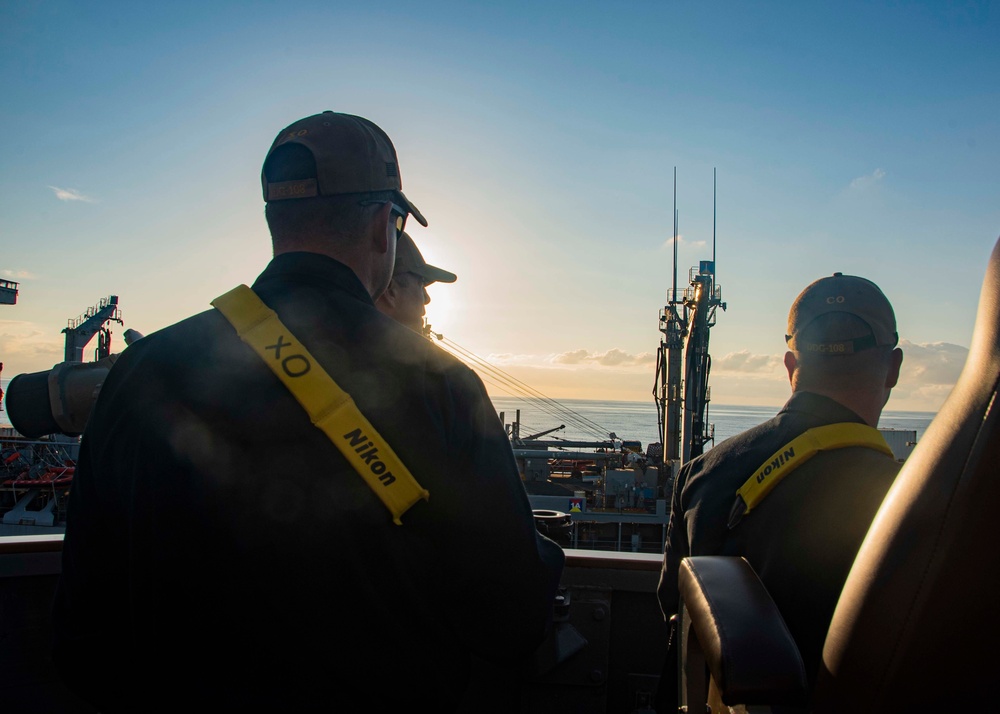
point(593, 420)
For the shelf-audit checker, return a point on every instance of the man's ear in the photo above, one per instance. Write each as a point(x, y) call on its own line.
point(381, 228)
point(791, 363)
point(896, 360)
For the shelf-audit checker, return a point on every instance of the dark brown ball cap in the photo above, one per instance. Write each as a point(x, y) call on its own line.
point(352, 154)
point(409, 260)
point(845, 294)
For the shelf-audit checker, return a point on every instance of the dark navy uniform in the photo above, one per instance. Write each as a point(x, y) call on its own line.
point(803, 537)
point(222, 554)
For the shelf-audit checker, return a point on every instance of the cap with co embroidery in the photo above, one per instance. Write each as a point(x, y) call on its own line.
point(848, 294)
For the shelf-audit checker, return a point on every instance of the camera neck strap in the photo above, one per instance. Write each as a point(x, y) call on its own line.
point(795, 453)
point(329, 407)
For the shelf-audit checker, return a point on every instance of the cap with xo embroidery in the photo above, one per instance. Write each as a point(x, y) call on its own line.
point(352, 155)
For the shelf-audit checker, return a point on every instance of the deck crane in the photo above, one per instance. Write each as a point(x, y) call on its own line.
point(544, 433)
point(93, 322)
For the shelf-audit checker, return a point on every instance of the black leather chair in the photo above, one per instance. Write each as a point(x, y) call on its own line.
point(917, 627)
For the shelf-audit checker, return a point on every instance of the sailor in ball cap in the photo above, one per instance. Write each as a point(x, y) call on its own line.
point(796, 494)
point(324, 177)
point(230, 503)
point(406, 297)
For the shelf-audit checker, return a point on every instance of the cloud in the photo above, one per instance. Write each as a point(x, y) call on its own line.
point(575, 357)
point(17, 275)
point(745, 362)
point(612, 358)
point(863, 183)
point(928, 373)
point(927, 377)
point(70, 194)
point(506, 358)
point(582, 357)
point(682, 241)
point(935, 363)
point(24, 343)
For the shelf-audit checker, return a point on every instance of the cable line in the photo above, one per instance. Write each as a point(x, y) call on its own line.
point(510, 385)
point(538, 399)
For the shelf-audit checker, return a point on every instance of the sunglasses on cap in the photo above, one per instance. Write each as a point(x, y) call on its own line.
point(401, 214)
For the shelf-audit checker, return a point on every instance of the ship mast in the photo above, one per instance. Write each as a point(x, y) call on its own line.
point(668, 372)
point(681, 391)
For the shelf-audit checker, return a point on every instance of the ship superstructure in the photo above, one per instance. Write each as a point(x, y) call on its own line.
point(8, 296)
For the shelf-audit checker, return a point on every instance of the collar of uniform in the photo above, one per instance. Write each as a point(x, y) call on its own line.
point(821, 407)
point(304, 268)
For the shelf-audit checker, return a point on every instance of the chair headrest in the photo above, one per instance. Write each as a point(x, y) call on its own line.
point(917, 622)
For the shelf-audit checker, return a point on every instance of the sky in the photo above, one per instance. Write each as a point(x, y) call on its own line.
point(542, 142)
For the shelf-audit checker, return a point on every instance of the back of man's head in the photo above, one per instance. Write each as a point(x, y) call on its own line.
point(318, 173)
point(842, 331)
point(839, 294)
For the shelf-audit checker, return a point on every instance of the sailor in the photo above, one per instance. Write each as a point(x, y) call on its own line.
point(233, 539)
point(406, 297)
point(796, 494)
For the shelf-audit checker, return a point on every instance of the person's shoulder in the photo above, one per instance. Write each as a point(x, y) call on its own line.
point(186, 337)
point(870, 462)
point(410, 347)
point(200, 343)
point(209, 320)
point(724, 467)
point(737, 448)
point(451, 369)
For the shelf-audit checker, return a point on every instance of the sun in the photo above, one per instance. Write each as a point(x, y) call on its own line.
point(439, 310)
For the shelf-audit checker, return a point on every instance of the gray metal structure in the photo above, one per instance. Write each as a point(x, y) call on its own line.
point(93, 322)
point(8, 292)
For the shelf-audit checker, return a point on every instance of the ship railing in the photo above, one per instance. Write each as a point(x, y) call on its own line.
point(607, 603)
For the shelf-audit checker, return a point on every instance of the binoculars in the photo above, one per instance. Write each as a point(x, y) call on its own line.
point(58, 400)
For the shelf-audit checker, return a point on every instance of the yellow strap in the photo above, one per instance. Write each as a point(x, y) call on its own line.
point(795, 453)
point(330, 408)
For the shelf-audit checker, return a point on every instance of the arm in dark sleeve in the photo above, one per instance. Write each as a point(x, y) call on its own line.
point(508, 572)
point(89, 633)
point(675, 548)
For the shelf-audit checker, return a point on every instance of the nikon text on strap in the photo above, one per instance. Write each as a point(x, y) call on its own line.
point(330, 408)
point(798, 451)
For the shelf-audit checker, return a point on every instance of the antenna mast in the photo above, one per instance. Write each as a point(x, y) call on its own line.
point(683, 360)
point(673, 294)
